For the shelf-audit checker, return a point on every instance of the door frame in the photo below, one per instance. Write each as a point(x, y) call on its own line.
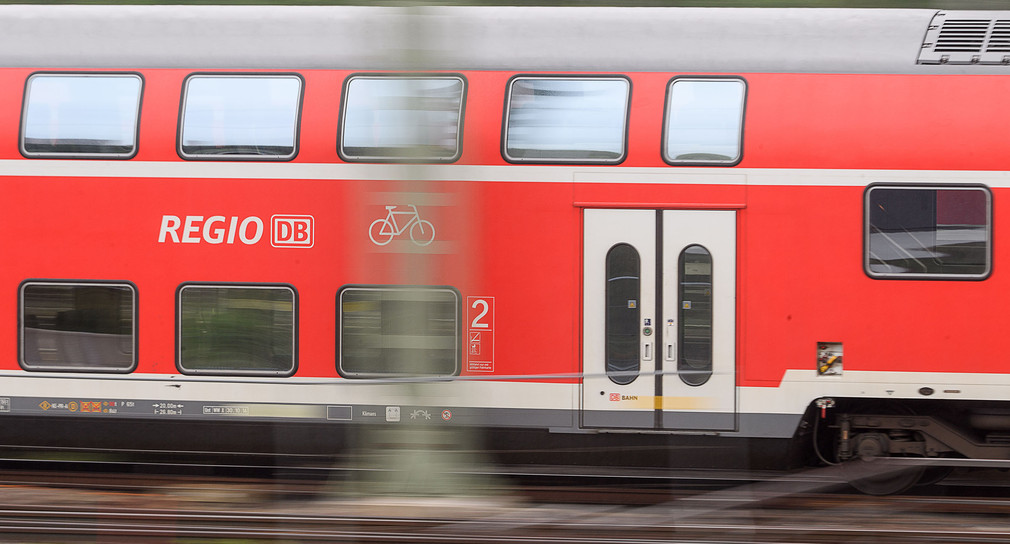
point(658, 399)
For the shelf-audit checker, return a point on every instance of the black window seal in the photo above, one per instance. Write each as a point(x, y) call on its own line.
point(237, 285)
point(602, 76)
point(681, 320)
point(666, 114)
point(72, 155)
point(927, 277)
point(618, 377)
point(399, 287)
point(402, 75)
point(75, 282)
point(241, 158)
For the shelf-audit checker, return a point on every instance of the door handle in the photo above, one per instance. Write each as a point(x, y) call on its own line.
point(671, 344)
point(647, 351)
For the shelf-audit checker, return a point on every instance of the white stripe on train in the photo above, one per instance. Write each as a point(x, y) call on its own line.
point(799, 177)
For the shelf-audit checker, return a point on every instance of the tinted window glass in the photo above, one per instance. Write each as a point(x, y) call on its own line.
point(704, 121)
point(567, 120)
point(81, 115)
point(82, 327)
point(623, 294)
point(695, 334)
point(227, 117)
point(236, 329)
point(925, 231)
point(387, 118)
point(398, 331)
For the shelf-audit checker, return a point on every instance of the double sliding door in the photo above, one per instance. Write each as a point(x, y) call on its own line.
point(659, 319)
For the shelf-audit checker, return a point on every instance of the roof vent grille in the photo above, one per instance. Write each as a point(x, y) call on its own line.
point(967, 37)
point(999, 38)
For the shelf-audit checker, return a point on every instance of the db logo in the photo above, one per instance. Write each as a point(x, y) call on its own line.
point(285, 230)
point(291, 231)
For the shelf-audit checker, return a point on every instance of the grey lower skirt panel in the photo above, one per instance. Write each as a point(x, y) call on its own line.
point(703, 421)
point(742, 425)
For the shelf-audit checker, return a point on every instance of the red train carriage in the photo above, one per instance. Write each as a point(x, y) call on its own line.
point(593, 222)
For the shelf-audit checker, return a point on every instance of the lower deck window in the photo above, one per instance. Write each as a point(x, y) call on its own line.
point(398, 331)
point(78, 326)
point(236, 329)
point(928, 232)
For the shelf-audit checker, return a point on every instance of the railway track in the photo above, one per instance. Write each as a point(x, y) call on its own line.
point(822, 519)
point(71, 506)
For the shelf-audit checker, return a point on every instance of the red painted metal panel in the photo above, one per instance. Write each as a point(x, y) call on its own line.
point(800, 250)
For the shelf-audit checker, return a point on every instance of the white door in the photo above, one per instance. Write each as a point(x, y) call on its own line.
point(619, 296)
point(659, 342)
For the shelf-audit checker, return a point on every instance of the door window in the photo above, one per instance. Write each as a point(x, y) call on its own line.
point(622, 294)
point(695, 334)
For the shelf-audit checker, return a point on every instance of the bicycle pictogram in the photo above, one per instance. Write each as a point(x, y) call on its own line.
point(382, 231)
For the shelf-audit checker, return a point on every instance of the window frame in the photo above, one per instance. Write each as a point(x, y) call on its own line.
point(928, 276)
point(247, 372)
point(666, 120)
point(458, 329)
point(570, 77)
point(240, 157)
point(23, 123)
point(690, 376)
point(341, 127)
point(135, 313)
point(612, 338)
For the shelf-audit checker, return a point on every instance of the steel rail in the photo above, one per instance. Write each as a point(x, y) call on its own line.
point(585, 528)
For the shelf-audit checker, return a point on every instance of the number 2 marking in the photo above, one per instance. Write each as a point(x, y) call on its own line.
point(476, 324)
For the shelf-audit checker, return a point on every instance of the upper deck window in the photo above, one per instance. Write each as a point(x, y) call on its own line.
point(240, 117)
point(81, 115)
point(566, 119)
point(704, 121)
point(398, 118)
point(917, 232)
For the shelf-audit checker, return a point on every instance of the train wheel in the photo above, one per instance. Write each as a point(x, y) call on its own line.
point(933, 475)
point(891, 482)
point(870, 473)
point(868, 470)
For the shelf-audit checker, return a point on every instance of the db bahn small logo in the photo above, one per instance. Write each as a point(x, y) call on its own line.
point(291, 231)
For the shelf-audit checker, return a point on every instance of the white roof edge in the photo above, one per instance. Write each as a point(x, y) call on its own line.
point(614, 39)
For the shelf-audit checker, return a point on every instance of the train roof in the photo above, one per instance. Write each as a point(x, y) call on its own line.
point(610, 39)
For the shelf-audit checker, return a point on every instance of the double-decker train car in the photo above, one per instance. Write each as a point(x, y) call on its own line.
point(602, 227)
